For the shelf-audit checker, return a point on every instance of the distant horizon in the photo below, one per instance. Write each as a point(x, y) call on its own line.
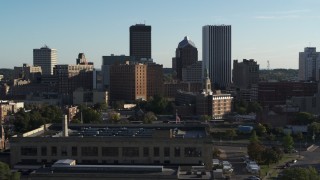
point(274, 31)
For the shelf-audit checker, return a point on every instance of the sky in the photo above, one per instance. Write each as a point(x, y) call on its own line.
point(269, 30)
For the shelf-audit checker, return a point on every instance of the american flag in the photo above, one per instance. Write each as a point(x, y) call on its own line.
point(177, 118)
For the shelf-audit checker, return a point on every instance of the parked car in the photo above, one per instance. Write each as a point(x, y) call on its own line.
point(227, 167)
point(253, 168)
point(215, 162)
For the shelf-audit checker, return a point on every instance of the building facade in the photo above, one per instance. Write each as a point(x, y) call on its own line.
point(309, 64)
point(186, 54)
point(140, 41)
point(107, 61)
point(46, 58)
point(71, 77)
point(27, 72)
point(216, 52)
point(192, 73)
point(276, 93)
point(175, 144)
point(245, 73)
point(128, 82)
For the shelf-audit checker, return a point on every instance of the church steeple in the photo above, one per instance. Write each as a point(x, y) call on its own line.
point(206, 82)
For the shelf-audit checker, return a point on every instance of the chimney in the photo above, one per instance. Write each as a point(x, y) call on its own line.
point(65, 126)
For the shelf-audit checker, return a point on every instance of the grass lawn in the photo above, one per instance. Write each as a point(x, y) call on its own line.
point(272, 170)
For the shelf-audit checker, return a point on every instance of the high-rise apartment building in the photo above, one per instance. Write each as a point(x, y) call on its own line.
point(140, 41)
point(186, 54)
point(309, 64)
point(128, 82)
point(245, 73)
point(216, 52)
point(46, 58)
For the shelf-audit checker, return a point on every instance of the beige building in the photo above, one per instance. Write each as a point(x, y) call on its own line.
point(46, 58)
point(8, 107)
point(89, 97)
point(27, 72)
point(167, 144)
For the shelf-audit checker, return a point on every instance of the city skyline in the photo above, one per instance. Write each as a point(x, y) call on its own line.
point(265, 31)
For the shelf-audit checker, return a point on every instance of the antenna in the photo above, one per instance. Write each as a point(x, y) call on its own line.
point(268, 65)
point(144, 21)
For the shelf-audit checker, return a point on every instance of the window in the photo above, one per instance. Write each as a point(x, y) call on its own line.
point(64, 151)
point(43, 151)
point(130, 152)
point(29, 151)
point(89, 151)
point(177, 152)
point(110, 151)
point(192, 152)
point(156, 152)
point(74, 151)
point(145, 152)
point(166, 152)
point(53, 151)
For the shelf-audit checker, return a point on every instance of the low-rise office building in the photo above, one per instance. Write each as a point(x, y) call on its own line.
point(166, 144)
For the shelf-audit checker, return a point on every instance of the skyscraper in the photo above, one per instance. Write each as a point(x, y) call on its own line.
point(216, 52)
point(309, 64)
point(46, 58)
point(140, 41)
point(186, 54)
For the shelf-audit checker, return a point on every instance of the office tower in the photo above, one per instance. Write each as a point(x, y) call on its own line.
point(245, 73)
point(46, 58)
point(216, 52)
point(186, 54)
point(309, 64)
point(71, 77)
point(140, 41)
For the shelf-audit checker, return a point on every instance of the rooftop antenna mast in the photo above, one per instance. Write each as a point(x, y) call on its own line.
point(268, 65)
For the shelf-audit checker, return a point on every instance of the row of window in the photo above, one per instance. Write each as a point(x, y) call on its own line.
point(112, 151)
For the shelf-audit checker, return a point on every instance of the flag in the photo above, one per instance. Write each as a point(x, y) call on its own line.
point(177, 118)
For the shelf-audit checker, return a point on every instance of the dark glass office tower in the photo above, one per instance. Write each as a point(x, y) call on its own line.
point(140, 41)
point(216, 54)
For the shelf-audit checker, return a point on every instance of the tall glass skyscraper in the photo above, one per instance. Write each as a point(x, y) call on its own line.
point(216, 54)
point(140, 41)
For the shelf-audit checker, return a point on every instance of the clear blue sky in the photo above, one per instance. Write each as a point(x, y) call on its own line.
point(274, 30)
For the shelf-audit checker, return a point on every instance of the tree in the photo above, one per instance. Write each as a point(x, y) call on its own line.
point(89, 115)
point(287, 142)
point(100, 107)
point(114, 116)
point(314, 128)
point(254, 138)
point(298, 173)
point(231, 133)
point(255, 150)
point(149, 117)
point(304, 118)
point(254, 107)
point(270, 156)
point(5, 172)
point(260, 129)
point(157, 104)
point(205, 118)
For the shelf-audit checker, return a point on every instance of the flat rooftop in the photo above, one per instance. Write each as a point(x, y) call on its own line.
point(130, 130)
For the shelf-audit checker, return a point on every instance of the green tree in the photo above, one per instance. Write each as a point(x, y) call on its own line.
point(254, 107)
point(158, 105)
point(5, 172)
point(204, 118)
point(255, 151)
point(300, 173)
point(254, 138)
point(149, 117)
point(287, 142)
point(270, 156)
point(114, 116)
point(304, 118)
point(260, 129)
point(100, 107)
point(89, 115)
point(314, 128)
point(231, 133)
